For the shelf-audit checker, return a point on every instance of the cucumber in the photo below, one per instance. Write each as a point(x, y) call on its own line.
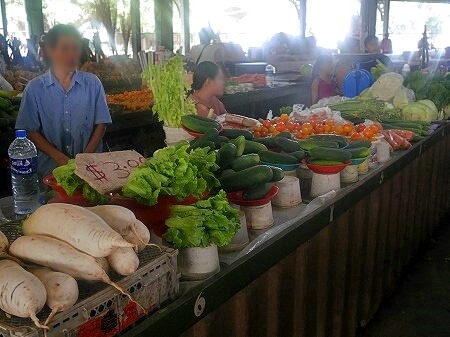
point(278, 174)
point(287, 145)
point(257, 192)
point(309, 144)
point(227, 172)
point(248, 178)
point(211, 135)
point(234, 133)
point(202, 143)
point(253, 147)
point(406, 124)
point(285, 134)
point(277, 158)
point(325, 162)
point(342, 141)
point(227, 153)
point(330, 154)
point(300, 154)
point(359, 143)
point(245, 161)
point(359, 152)
point(198, 125)
point(239, 142)
point(268, 141)
point(220, 140)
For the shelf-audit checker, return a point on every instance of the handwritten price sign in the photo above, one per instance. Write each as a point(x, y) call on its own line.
point(106, 172)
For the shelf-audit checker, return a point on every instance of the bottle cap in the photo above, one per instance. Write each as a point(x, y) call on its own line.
point(21, 133)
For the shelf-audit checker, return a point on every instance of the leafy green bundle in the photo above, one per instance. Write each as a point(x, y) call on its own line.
point(169, 90)
point(210, 221)
point(66, 178)
point(175, 172)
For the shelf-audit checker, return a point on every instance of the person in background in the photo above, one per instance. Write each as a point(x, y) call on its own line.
point(64, 110)
point(207, 85)
point(322, 79)
point(372, 46)
point(386, 44)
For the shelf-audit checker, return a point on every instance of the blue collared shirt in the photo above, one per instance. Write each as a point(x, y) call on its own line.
point(65, 119)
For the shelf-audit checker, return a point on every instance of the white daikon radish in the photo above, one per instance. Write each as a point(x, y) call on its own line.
point(4, 243)
point(104, 263)
point(124, 261)
point(21, 293)
point(62, 290)
point(76, 226)
point(60, 256)
point(124, 222)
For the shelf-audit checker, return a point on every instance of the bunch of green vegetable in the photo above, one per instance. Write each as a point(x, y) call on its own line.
point(207, 222)
point(379, 70)
point(286, 110)
point(169, 90)
point(433, 87)
point(66, 178)
point(173, 171)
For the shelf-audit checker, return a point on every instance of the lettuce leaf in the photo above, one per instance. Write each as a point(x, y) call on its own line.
point(175, 172)
point(207, 222)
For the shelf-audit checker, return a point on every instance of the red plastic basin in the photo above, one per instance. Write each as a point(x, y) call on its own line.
point(61, 195)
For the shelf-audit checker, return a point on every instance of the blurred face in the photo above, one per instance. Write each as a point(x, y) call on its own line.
point(216, 85)
point(65, 55)
point(373, 46)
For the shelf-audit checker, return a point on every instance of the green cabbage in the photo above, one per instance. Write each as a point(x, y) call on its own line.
point(419, 111)
point(387, 86)
point(403, 97)
point(175, 172)
point(207, 222)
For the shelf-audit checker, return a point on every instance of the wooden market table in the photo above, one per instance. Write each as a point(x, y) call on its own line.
point(327, 272)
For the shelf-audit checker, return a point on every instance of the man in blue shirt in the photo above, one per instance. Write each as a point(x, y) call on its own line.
point(64, 110)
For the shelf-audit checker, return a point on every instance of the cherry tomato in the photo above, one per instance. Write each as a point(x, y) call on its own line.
point(267, 124)
point(284, 116)
point(257, 128)
point(290, 127)
point(373, 128)
point(360, 127)
point(263, 133)
point(280, 127)
point(327, 128)
point(356, 136)
point(307, 128)
point(257, 134)
point(275, 120)
point(373, 139)
point(297, 127)
point(330, 122)
point(264, 130)
point(320, 128)
point(339, 129)
point(275, 133)
point(348, 128)
point(368, 133)
point(272, 129)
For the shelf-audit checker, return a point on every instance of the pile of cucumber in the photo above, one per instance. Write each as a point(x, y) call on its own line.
point(199, 124)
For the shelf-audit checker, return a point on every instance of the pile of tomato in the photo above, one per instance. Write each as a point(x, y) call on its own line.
point(315, 125)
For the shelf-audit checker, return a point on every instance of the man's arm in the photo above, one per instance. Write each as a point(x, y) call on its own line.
point(43, 145)
point(96, 138)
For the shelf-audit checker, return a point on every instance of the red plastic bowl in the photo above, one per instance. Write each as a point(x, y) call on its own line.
point(326, 169)
point(154, 217)
point(236, 198)
point(196, 134)
point(61, 195)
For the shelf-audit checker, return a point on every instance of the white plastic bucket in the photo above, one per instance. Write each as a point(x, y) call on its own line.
point(259, 217)
point(383, 151)
point(240, 239)
point(198, 263)
point(349, 174)
point(176, 135)
point(289, 192)
point(324, 183)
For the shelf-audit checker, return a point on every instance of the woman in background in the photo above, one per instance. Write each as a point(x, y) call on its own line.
point(207, 85)
point(322, 79)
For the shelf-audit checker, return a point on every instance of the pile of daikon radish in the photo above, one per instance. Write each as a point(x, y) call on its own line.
point(65, 243)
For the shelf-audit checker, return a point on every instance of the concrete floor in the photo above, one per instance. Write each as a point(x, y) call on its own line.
point(421, 305)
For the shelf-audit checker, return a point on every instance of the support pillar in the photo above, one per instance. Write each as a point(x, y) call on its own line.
point(186, 36)
point(35, 18)
point(136, 40)
point(4, 19)
point(303, 18)
point(368, 19)
point(387, 4)
point(163, 23)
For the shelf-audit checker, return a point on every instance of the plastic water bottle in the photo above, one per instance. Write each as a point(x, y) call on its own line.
point(270, 75)
point(25, 184)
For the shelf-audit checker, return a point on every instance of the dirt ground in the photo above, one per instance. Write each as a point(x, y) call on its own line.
point(421, 305)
